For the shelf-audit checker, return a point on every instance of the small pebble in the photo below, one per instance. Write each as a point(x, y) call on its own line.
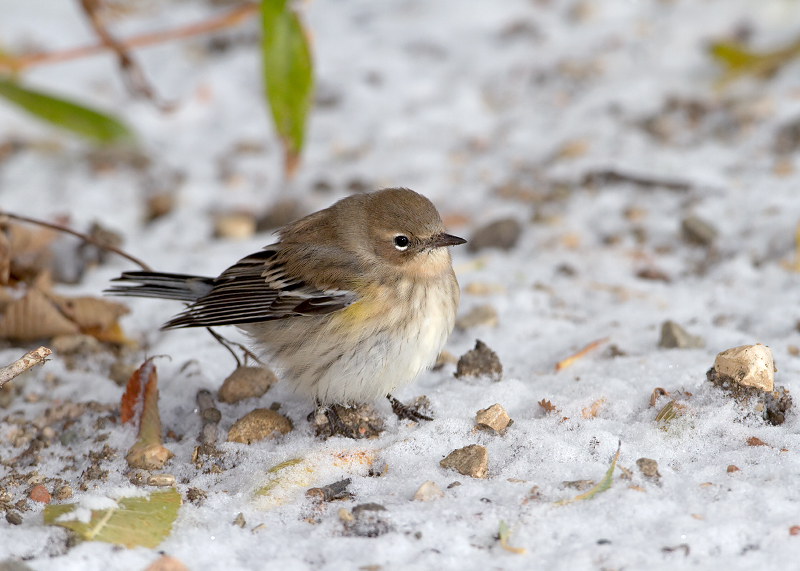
point(245, 383)
point(345, 515)
point(234, 225)
point(648, 468)
point(240, 521)
point(257, 425)
point(428, 491)
point(747, 365)
point(63, 493)
point(480, 361)
point(211, 415)
point(14, 518)
point(204, 400)
point(367, 521)
point(478, 315)
point(698, 231)
point(40, 494)
point(494, 417)
point(731, 469)
point(472, 460)
point(161, 480)
point(673, 336)
point(208, 434)
point(502, 234)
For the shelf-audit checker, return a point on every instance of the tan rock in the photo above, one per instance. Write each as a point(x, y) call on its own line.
point(748, 365)
point(428, 491)
point(472, 460)
point(161, 480)
point(494, 417)
point(234, 225)
point(245, 383)
point(258, 424)
point(648, 467)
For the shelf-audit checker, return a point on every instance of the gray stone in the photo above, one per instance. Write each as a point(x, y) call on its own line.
point(698, 231)
point(673, 336)
point(480, 361)
point(501, 234)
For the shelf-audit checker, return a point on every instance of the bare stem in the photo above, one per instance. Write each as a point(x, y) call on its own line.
point(230, 19)
point(22, 364)
point(83, 237)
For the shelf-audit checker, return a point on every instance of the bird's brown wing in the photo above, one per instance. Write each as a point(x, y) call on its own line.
point(259, 288)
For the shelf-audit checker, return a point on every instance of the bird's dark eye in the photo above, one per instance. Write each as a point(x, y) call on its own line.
point(401, 243)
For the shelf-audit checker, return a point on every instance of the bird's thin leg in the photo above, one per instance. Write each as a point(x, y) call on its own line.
point(406, 412)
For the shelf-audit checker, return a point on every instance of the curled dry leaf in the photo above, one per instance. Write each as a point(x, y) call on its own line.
point(657, 392)
point(148, 453)
point(90, 312)
point(26, 252)
point(34, 316)
point(591, 411)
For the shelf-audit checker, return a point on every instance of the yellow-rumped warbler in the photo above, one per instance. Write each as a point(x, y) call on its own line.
point(351, 303)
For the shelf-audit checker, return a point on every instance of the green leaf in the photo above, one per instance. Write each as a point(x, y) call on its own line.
point(732, 55)
point(143, 521)
point(601, 487)
point(66, 114)
point(276, 480)
point(738, 61)
point(287, 75)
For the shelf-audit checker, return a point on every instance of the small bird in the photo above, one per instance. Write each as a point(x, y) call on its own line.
point(351, 303)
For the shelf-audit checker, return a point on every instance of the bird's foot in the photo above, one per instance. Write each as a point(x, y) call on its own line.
point(327, 421)
point(350, 422)
point(405, 412)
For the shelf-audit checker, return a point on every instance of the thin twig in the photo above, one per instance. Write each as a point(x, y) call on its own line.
point(132, 72)
point(83, 237)
point(22, 364)
point(232, 18)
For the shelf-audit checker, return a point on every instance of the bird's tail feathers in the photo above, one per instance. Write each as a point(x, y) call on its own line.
point(181, 287)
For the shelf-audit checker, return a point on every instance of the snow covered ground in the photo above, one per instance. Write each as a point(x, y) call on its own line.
point(491, 109)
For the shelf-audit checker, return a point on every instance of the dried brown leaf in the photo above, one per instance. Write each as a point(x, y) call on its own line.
point(32, 317)
point(547, 406)
point(90, 312)
point(591, 411)
point(753, 441)
point(147, 453)
point(657, 392)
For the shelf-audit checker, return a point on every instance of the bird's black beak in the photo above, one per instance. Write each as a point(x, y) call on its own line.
point(444, 240)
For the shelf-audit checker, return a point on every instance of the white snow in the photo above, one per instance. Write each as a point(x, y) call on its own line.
point(455, 100)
